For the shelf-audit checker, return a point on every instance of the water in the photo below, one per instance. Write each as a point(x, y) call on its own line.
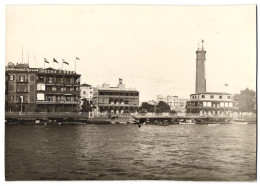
point(126, 152)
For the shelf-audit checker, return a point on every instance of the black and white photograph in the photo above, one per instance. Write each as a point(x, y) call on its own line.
point(130, 92)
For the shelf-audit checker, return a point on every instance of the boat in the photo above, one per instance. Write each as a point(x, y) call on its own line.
point(240, 123)
point(213, 124)
point(186, 123)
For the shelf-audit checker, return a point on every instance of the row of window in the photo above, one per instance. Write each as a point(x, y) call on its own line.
point(21, 88)
point(118, 93)
point(211, 97)
point(21, 78)
point(24, 99)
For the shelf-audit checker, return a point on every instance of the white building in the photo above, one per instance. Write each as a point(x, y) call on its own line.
point(211, 103)
point(175, 103)
point(86, 92)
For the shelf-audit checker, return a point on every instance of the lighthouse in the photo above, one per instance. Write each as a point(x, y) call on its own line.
point(200, 70)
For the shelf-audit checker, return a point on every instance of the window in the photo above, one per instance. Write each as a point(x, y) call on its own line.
point(31, 87)
point(21, 78)
point(40, 86)
point(31, 98)
point(32, 78)
point(11, 77)
point(211, 97)
point(84, 92)
point(40, 96)
point(228, 97)
point(11, 87)
point(21, 88)
point(220, 97)
point(202, 96)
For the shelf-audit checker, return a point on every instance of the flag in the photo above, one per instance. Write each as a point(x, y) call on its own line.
point(77, 58)
point(45, 60)
point(226, 84)
point(63, 61)
point(21, 97)
point(54, 60)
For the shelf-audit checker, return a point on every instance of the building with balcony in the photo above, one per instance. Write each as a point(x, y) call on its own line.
point(175, 103)
point(211, 103)
point(86, 93)
point(115, 100)
point(42, 90)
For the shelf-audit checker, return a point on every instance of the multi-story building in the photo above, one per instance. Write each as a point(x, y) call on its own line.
point(86, 93)
point(211, 103)
point(177, 104)
point(21, 83)
point(118, 99)
point(42, 90)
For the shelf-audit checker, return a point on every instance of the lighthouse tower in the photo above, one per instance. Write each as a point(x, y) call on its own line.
point(200, 70)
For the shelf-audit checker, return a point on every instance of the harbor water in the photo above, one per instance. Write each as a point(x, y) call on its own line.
point(125, 152)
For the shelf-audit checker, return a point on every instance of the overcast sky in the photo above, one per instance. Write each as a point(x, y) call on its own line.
point(152, 48)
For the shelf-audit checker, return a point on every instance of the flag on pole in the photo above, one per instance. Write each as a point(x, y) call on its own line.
point(54, 60)
point(45, 60)
point(21, 97)
point(63, 61)
point(77, 58)
point(226, 84)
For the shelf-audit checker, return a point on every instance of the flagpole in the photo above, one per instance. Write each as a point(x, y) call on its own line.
point(75, 64)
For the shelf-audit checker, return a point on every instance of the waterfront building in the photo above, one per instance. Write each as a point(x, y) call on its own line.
point(211, 103)
point(208, 103)
point(86, 93)
point(41, 90)
point(177, 104)
point(21, 83)
point(115, 100)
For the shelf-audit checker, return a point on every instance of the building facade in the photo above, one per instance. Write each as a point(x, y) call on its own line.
point(174, 102)
point(115, 100)
point(86, 93)
point(41, 90)
point(211, 103)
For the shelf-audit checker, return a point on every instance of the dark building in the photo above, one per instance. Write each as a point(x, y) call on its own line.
point(200, 70)
point(41, 90)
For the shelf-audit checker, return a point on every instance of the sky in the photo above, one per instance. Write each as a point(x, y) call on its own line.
point(152, 48)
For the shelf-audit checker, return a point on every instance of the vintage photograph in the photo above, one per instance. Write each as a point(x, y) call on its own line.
point(130, 92)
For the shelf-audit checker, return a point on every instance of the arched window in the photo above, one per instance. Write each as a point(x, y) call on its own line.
point(32, 78)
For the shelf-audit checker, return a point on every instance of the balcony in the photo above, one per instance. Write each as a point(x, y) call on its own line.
point(62, 92)
point(56, 102)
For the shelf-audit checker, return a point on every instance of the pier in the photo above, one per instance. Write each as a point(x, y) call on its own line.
point(83, 118)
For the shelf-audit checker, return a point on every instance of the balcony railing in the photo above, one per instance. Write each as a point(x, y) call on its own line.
point(56, 102)
point(61, 92)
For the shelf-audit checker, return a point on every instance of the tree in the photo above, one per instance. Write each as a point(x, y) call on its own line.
point(246, 100)
point(146, 107)
point(162, 107)
point(86, 107)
